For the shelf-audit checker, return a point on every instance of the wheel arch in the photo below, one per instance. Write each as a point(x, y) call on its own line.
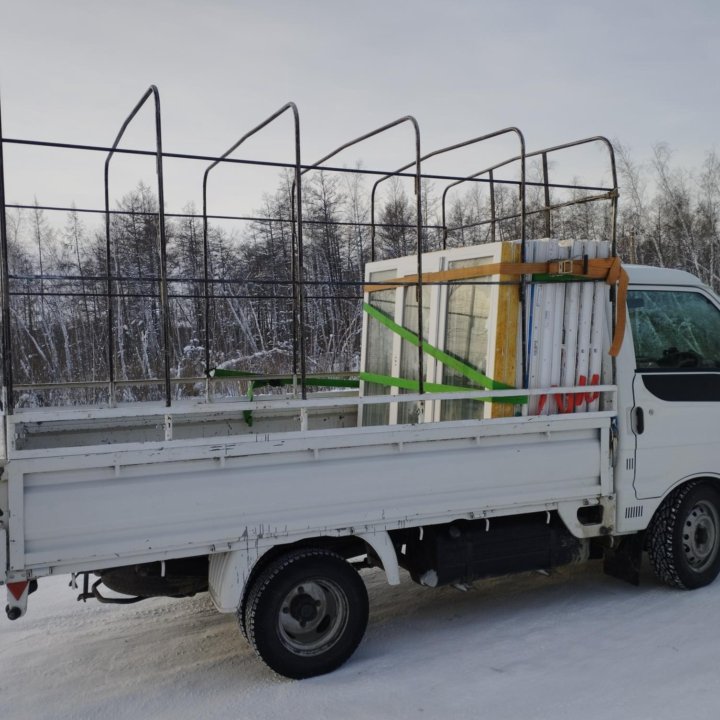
point(232, 573)
point(707, 478)
point(704, 477)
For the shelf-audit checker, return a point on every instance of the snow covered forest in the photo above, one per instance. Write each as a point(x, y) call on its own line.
point(668, 216)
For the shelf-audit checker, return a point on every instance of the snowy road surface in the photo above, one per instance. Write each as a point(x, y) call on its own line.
point(574, 645)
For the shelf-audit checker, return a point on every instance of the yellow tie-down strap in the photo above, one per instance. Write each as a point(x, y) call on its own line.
point(608, 269)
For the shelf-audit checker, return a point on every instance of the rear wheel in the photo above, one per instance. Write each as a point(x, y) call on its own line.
point(306, 613)
point(684, 537)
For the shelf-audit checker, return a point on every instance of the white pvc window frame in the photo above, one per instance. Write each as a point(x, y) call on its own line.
point(437, 316)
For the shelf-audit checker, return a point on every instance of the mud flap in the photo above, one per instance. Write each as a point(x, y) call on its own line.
point(624, 560)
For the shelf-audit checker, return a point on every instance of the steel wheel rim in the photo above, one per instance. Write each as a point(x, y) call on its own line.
point(700, 535)
point(312, 616)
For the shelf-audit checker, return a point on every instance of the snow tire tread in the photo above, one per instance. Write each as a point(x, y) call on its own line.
point(661, 537)
point(264, 579)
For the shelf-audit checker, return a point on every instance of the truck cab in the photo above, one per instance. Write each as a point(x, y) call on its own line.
point(675, 381)
point(668, 389)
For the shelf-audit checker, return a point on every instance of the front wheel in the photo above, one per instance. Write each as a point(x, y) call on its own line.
point(306, 613)
point(684, 537)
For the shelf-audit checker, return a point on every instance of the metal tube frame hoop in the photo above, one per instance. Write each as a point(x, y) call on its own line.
point(7, 369)
point(492, 180)
point(162, 247)
point(606, 194)
point(548, 226)
point(611, 195)
point(206, 254)
point(523, 217)
point(399, 171)
point(418, 177)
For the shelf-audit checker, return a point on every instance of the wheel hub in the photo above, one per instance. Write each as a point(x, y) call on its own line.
point(312, 617)
point(700, 536)
point(304, 608)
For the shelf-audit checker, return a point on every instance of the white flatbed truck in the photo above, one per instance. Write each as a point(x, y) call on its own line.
point(272, 504)
point(273, 522)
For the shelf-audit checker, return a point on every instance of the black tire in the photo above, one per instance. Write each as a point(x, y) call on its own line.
point(684, 537)
point(306, 613)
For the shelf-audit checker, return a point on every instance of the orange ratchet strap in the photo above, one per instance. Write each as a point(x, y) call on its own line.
point(608, 269)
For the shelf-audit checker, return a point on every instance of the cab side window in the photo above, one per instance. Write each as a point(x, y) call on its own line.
point(674, 330)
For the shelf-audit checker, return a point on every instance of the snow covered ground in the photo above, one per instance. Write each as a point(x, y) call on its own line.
point(574, 645)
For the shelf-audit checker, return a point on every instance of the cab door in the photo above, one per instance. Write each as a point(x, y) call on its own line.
point(676, 386)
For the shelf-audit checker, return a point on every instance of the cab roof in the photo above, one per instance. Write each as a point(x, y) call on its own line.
point(646, 275)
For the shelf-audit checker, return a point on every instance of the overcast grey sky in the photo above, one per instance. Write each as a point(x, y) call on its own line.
point(640, 71)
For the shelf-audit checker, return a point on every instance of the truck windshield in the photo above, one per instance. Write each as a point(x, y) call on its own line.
point(674, 330)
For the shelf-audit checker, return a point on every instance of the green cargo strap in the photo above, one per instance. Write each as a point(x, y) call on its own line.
point(255, 380)
point(221, 372)
point(414, 385)
point(464, 369)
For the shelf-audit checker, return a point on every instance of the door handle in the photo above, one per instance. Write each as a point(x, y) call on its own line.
point(639, 421)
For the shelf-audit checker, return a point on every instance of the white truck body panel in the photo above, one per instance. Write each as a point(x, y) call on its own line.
point(98, 506)
point(683, 443)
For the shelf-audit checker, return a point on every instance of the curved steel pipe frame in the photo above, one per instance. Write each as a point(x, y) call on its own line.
point(612, 194)
point(7, 369)
point(298, 313)
point(440, 151)
point(521, 138)
point(297, 268)
point(162, 243)
point(417, 176)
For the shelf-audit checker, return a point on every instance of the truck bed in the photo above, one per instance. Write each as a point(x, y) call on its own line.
point(76, 507)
